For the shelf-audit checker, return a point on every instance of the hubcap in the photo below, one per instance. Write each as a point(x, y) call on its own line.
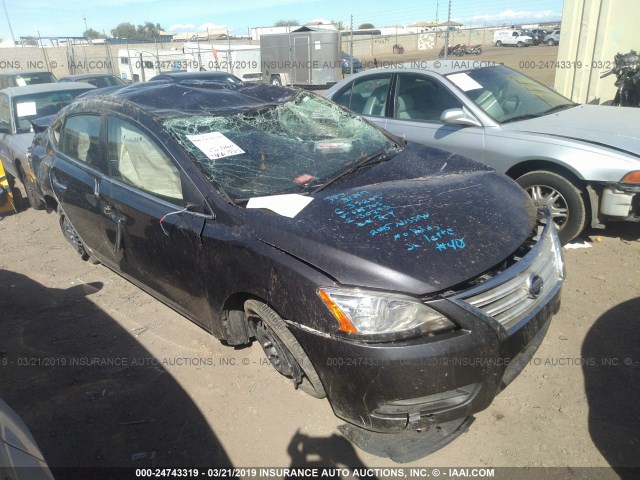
point(549, 198)
point(274, 351)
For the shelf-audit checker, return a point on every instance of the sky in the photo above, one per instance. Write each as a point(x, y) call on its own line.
point(67, 17)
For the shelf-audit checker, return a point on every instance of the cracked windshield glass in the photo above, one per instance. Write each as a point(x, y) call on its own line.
point(292, 147)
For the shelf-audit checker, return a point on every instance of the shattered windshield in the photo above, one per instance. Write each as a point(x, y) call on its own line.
point(507, 95)
point(292, 147)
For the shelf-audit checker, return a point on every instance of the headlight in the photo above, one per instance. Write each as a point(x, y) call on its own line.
point(362, 312)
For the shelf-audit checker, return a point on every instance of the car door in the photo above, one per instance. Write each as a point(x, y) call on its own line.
point(418, 103)
point(367, 96)
point(78, 183)
point(149, 201)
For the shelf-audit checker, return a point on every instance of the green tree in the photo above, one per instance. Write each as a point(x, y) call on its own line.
point(366, 25)
point(125, 30)
point(92, 34)
point(286, 23)
point(149, 31)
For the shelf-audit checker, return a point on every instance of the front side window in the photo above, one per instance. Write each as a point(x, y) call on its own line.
point(136, 159)
point(81, 139)
point(366, 96)
point(5, 111)
point(421, 98)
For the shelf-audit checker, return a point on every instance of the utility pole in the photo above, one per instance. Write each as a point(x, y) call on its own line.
point(84, 17)
point(9, 22)
point(351, 48)
point(446, 35)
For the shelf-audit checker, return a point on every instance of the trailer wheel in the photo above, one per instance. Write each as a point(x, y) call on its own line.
point(275, 80)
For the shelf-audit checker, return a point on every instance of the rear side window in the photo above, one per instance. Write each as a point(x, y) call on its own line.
point(81, 139)
point(366, 96)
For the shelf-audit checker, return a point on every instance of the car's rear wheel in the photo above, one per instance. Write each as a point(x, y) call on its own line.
point(35, 202)
point(282, 349)
point(498, 43)
point(551, 43)
point(562, 198)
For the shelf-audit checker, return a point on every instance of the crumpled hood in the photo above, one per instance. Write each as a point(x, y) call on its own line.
point(613, 126)
point(420, 223)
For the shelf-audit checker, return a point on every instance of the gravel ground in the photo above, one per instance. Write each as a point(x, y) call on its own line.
point(105, 375)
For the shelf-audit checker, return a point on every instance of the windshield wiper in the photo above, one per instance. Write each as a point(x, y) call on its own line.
point(375, 157)
point(540, 114)
point(226, 197)
point(558, 108)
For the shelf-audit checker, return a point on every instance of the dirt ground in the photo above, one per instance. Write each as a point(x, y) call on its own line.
point(105, 375)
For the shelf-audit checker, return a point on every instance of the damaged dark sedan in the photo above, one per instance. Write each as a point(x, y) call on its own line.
point(406, 284)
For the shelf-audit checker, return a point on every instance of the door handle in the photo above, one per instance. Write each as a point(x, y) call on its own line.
point(57, 184)
point(119, 221)
point(96, 188)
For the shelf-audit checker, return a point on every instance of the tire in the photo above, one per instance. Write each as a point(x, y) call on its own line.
point(498, 43)
point(478, 51)
point(282, 349)
point(72, 236)
point(276, 81)
point(30, 189)
point(561, 197)
point(551, 43)
point(520, 44)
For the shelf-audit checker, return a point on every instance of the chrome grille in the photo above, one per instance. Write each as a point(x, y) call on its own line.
point(515, 294)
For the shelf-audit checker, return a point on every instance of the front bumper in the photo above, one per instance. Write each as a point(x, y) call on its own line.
point(411, 384)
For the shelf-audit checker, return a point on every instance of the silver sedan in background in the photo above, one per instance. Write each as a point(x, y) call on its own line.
point(581, 162)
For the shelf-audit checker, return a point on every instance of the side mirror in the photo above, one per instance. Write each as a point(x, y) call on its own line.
point(459, 116)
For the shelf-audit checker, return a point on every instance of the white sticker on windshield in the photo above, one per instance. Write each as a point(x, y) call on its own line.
point(26, 109)
point(286, 205)
point(464, 81)
point(21, 82)
point(215, 145)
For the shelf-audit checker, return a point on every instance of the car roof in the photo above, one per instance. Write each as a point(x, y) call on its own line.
point(46, 87)
point(167, 100)
point(26, 72)
point(81, 76)
point(441, 67)
point(192, 75)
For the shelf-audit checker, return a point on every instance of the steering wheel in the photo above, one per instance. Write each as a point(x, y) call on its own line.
point(510, 104)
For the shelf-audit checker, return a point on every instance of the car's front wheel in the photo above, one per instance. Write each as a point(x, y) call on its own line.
point(562, 198)
point(551, 43)
point(281, 348)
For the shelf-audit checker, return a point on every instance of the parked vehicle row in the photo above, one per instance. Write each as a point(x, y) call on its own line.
point(359, 258)
point(525, 37)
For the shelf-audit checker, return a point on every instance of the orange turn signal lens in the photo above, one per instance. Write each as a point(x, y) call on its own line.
point(631, 177)
point(343, 320)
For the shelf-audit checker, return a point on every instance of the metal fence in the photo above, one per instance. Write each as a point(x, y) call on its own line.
point(138, 62)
